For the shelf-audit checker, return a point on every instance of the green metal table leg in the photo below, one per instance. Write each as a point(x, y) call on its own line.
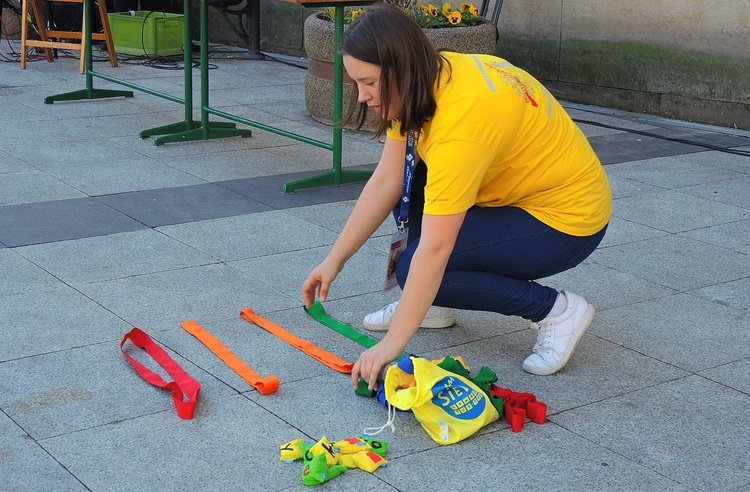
point(190, 129)
point(336, 176)
point(89, 92)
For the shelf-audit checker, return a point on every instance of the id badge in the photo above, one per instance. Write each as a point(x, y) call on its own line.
point(398, 245)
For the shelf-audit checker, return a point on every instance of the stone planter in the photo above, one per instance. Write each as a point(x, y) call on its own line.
point(318, 38)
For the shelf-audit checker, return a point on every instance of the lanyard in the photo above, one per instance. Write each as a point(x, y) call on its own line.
point(185, 390)
point(410, 162)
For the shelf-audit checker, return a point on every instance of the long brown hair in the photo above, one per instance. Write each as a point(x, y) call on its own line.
point(387, 37)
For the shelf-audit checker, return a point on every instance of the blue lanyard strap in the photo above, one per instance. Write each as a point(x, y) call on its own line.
point(410, 162)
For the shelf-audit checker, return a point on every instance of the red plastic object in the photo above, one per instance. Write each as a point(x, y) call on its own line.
point(518, 406)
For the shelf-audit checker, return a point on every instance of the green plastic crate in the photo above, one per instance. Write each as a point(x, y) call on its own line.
point(147, 33)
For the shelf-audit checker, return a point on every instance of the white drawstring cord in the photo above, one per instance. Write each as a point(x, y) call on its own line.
point(373, 431)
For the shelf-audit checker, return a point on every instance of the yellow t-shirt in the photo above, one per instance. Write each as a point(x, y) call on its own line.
point(499, 138)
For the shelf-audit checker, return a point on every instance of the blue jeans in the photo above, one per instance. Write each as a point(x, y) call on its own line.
point(499, 253)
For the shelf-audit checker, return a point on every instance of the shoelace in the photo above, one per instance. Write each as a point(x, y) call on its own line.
point(390, 309)
point(544, 337)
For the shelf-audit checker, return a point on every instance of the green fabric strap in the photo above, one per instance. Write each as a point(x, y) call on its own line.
point(317, 312)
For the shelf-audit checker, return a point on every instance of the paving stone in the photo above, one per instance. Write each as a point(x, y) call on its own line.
point(673, 429)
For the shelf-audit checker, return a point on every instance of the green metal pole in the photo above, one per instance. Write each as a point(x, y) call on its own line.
point(204, 67)
point(338, 92)
point(89, 92)
point(187, 47)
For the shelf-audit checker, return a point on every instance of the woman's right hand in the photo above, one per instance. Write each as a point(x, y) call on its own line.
point(319, 281)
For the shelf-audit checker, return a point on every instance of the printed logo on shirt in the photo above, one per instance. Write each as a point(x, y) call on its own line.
point(513, 77)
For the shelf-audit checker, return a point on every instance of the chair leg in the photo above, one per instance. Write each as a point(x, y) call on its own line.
point(107, 33)
point(39, 21)
point(83, 41)
point(24, 30)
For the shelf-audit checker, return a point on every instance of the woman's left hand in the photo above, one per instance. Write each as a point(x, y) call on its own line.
point(372, 361)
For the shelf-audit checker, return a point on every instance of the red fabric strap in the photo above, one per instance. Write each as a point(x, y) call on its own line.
point(518, 406)
point(183, 385)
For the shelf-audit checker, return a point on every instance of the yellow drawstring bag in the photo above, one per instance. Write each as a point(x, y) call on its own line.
point(448, 406)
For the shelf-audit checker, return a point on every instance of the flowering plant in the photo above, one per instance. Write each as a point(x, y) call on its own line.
point(427, 15)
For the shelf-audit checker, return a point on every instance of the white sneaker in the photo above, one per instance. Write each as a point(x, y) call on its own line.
point(558, 336)
point(436, 317)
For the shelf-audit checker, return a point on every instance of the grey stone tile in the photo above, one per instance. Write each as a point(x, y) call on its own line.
point(347, 414)
point(708, 138)
point(182, 204)
point(162, 300)
point(9, 164)
point(592, 130)
point(51, 319)
point(624, 186)
point(265, 353)
point(731, 191)
point(34, 186)
point(70, 151)
point(683, 330)
point(500, 461)
point(621, 231)
point(237, 441)
point(25, 465)
point(676, 262)
point(597, 116)
point(44, 222)
point(130, 124)
point(471, 326)
point(331, 216)
point(269, 190)
point(233, 165)
point(680, 429)
point(21, 276)
point(76, 393)
point(734, 374)
point(626, 147)
point(599, 369)
point(732, 294)
point(287, 271)
point(115, 256)
point(250, 236)
point(138, 174)
point(676, 211)
point(734, 235)
point(605, 287)
point(672, 172)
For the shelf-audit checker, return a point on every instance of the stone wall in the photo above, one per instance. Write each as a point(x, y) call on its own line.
point(687, 59)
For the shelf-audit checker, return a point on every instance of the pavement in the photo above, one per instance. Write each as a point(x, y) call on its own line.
point(102, 231)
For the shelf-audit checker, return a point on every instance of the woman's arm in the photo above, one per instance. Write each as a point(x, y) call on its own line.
point(426, 272)
point(379, 196)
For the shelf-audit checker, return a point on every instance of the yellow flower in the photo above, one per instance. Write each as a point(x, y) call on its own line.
point(447, 9)
point(463, 6)
point(454, 18)
point(356, 13)
point(473, 10)
point(432, 9)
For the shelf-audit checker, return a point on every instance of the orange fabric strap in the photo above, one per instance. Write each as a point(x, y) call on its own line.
point(323, 356)
point(264, 385)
